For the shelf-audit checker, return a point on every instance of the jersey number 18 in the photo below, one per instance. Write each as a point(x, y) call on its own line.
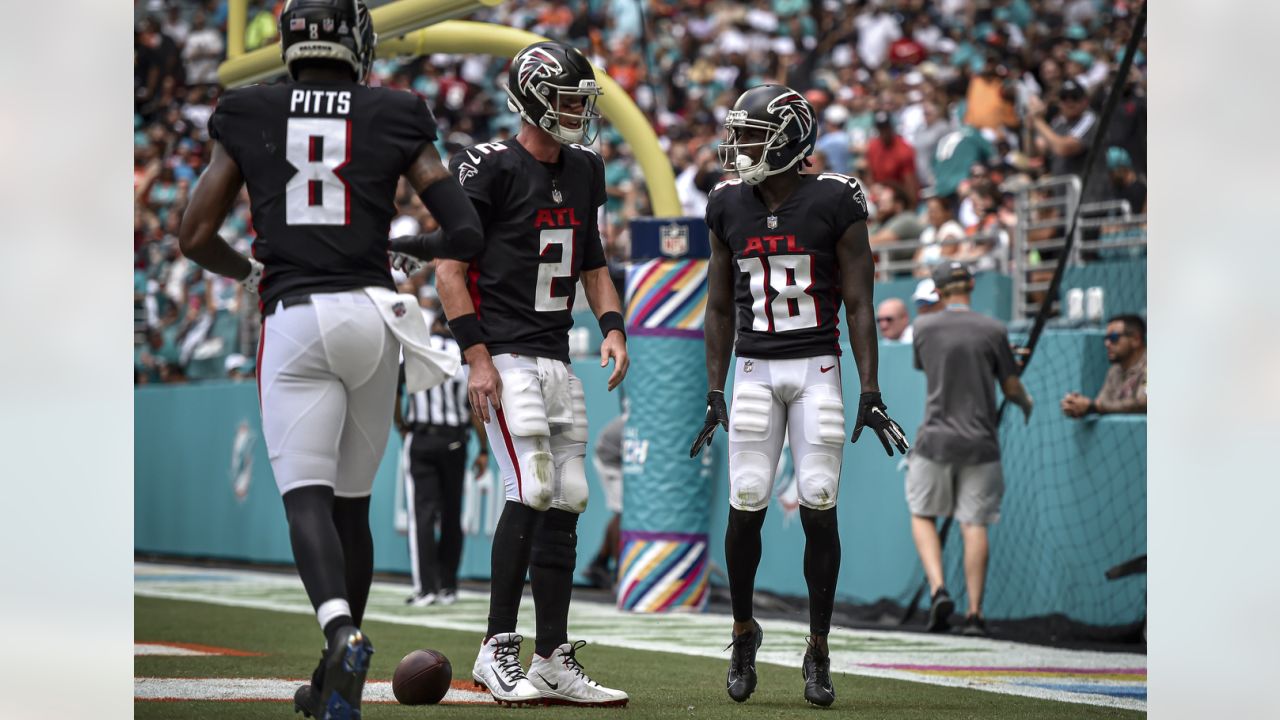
point(791, 277)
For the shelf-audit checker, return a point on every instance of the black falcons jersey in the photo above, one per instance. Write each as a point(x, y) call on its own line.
point(540, 232)
point(322, 161)
point(787, 282)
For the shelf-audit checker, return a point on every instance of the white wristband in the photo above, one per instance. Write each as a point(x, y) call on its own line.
point(250, 282)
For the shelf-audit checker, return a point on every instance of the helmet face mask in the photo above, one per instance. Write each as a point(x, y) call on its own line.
point(330, 30)
point(786, 122)
point(553, 88)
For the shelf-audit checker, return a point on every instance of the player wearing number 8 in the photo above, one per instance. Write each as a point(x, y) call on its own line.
point(511, 310)
point(786, 250)
point(321, 156)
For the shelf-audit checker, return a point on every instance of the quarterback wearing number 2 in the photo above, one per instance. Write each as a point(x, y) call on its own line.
point(786, 250)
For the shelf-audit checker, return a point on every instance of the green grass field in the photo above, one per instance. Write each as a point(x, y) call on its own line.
point(661, 685)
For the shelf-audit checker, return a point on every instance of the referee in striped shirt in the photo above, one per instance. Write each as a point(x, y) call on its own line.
point(436, 424)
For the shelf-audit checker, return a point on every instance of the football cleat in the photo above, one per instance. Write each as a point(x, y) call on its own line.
point(422, 600)
point(741, 681)
point(816, 668)
point(561, 680)
point(447, 597)
point(498, 670)
point(307, 699)
point(339, 679)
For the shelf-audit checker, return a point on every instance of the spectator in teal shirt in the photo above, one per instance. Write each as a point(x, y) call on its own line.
point(956, 154)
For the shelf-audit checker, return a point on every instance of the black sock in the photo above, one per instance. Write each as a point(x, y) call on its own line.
point(351, 518)
point(555, 553)
point(512, 542)
point(317, 549)
point(742, 557)
point(821, 565)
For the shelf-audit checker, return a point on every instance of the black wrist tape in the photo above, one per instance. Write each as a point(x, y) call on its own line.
point(610, 321)
point(467, 330)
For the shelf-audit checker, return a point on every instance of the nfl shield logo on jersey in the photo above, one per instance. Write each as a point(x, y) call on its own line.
point(398, 309)
point(674, 240)
point(771, 222)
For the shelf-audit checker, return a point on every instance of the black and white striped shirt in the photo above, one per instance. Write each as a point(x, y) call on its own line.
point(444, 405)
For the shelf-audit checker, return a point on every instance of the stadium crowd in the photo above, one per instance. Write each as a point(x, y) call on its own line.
point(942, 108)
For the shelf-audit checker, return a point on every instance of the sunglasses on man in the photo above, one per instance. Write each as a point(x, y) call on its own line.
point(1114, 337)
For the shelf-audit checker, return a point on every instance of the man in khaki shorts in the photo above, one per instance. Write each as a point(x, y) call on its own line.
point(954, 468)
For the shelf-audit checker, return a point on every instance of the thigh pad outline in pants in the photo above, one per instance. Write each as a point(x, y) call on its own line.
point(569, 448)
point(521, 430)
point(311, 357)
point(817, 444)
point(755, 442)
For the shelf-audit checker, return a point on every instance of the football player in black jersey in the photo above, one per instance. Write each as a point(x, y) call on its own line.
point(321, 156)
point(510, 310)
point(786, 249)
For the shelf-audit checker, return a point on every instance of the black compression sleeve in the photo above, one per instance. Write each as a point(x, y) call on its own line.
point(458, 219)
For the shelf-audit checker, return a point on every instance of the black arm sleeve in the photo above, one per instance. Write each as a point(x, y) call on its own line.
point(463, 235)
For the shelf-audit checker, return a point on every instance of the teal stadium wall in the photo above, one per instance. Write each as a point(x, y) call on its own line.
point(1049, 552)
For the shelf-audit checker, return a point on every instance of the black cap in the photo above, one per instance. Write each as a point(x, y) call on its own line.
point(1071, 89)
point(883, 118)
point(951, 272)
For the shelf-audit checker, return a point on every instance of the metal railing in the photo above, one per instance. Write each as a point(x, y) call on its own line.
point(1036, 242)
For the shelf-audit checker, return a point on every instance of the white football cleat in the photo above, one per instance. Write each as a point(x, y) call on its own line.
point(561, 680)
point(498, 670)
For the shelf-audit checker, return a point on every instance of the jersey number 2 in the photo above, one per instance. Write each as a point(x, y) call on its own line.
point(543, 300)
point(316, 194)
point(790, 276)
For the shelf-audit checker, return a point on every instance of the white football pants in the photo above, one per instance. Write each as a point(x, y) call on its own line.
point(772, 398)
point(327, 386)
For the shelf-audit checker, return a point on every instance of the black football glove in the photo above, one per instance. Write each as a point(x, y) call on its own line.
point(871, 412)
point(717, 414)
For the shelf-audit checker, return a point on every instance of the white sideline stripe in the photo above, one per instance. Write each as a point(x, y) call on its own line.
point(152, 649)
point(152, 688)
point(702, 635)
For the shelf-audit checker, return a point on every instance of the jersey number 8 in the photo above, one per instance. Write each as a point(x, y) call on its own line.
point(790, 276)
point(316, 194)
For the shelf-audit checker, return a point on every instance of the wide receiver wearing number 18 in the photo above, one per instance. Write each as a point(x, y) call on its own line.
point(786, 249)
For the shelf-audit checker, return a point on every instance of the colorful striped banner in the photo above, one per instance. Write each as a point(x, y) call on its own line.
point(662, 572)
point(667, 297)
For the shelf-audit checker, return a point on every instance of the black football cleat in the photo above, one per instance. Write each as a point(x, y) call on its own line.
point(741, 681)
point(816, 668)
point(307, 699)
point(339, 681)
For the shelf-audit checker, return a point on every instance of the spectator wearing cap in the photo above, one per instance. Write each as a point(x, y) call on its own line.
point(891, 160)
point(1124, 390)
point(954, 469)
point(926, 299)
point(1066, 140)
point(834, 142)
point(893, 322)
point(1125, 184)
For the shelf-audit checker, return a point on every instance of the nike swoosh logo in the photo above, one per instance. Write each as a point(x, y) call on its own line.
point(550, 684)
point(502, 684)
point(473, 157)
point(824, 369)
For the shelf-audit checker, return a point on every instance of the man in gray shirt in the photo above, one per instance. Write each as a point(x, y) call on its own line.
point(954, 469)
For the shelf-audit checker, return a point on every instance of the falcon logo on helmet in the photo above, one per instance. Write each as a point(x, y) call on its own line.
point(537, 64)
point(768, 131)
point(792, 107)
point(553, 87)
point(329, 30)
